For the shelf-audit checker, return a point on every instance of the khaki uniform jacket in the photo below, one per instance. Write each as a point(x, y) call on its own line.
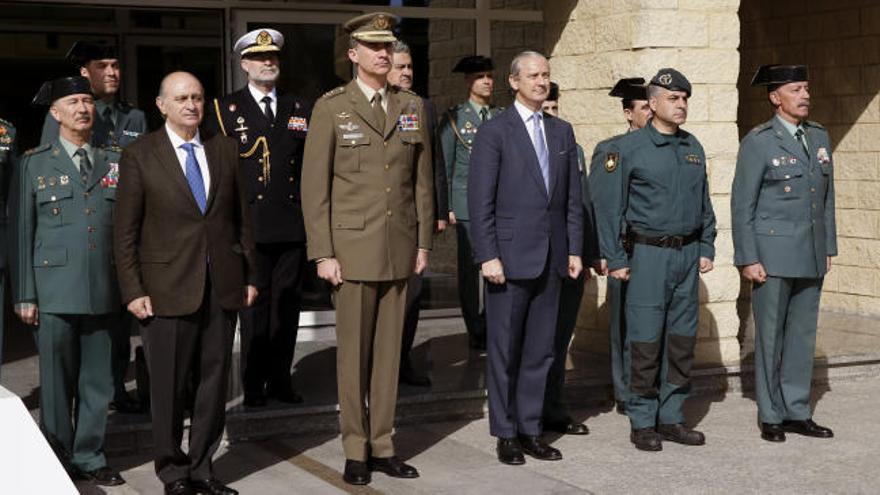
point(368, 196)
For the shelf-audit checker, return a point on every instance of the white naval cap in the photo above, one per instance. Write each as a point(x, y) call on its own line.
point(259, 41)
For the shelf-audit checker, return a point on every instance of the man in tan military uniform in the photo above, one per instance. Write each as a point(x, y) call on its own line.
point(367, 199)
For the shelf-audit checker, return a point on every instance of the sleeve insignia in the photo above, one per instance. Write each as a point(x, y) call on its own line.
point(611, 160)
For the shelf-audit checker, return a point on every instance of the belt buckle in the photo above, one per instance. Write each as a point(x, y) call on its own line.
point(676, 242)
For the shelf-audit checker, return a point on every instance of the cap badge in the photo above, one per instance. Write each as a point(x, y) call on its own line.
point(264, 39)
point(665, 79)
point(381, 22)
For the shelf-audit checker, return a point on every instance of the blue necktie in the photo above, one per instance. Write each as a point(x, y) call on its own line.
point(541, 150)
point(194, 177)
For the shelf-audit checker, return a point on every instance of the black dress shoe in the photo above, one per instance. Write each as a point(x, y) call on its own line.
point(807, 427)
point(646, 439)
point(103, 476)
point(772, 432)
point(211, 487)
point(179, 487)
point(392, 466)
point(509, 451)
point(538, 448)
point(126, 405)
point(567, 427)
point(410, 376)
point(254, 400)
point(680, 433)
point(356, 473)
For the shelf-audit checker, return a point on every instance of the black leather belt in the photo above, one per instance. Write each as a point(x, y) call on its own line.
point(666, 241)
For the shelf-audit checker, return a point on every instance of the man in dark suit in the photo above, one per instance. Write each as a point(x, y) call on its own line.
point(270, 127)
point(401, 75)
point(524, 197)
point(185, 262)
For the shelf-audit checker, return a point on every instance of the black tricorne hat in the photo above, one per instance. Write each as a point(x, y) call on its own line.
point(59, 88)
point(82, 52)
point(775, 75)
point(473, 63)
point(553, 94)
point(630, 88)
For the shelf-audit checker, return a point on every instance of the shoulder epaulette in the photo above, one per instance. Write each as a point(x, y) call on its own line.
point(39, 149)
point(761, 127)
point(811, 123)
point(112, 147)
point(334, 92)
point(408, 91)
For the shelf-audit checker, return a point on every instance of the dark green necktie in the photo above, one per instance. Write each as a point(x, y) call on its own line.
point(378, 112)
point(85, 165)
point(484, 114)
point(799, 135)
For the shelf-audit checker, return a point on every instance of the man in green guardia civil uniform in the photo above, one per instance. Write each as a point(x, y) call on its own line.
point(456, 132)
point(64, 281)
point(8, 160)
point(784, 236)
point(605, 192)
point(669, 229)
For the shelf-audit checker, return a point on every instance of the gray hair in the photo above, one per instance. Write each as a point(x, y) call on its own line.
point(514, 64)
point(399, 47)
point(653, 91)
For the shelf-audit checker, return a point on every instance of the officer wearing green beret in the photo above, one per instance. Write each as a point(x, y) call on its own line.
point(605, 188)
point(784, 236)
point(64, 281)
point(668, 242)
point(117, 122)
point(456, 133)
point(8, 159)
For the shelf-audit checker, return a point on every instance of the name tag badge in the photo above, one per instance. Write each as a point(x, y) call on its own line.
point(352, 135)
point(132, 134)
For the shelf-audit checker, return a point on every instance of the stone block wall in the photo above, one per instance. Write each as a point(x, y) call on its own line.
point(592, 44)
point(840, 41)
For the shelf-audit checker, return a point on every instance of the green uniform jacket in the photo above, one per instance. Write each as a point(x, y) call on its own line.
point(783, 201)
point(131, 123)
point(62, 258)
point(664, 190)
point(368, 197)
point(456, 133)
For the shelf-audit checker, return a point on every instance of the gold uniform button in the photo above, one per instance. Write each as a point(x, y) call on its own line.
point(387, 189)
point(388, 213)
point(290, 179)
point(88, 211)
point(812, 189)
point(52, 198)
point(387, 167)
point(290, 196)
point(814, 206)
point(787, 189)
point(353, 141)
point(772, 231)
point(385, 143)
point(260, 178)
point(788, 177)
point(259, 196)
point(45, 262)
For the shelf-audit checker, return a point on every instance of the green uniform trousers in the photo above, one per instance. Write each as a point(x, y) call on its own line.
point(469, 284)
point(614, 297)
point(786, 311)
point(369, 326)
point(75, 385)
point(662, 308)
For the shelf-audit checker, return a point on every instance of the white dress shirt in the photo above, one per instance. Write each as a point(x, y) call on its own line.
point(177, 142)
point(259, 95)
point(527, 115)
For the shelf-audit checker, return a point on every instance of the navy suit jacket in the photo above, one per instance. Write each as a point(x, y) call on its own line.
point(513, 216)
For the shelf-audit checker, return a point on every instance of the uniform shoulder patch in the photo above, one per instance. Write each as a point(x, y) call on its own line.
point(612, 158)
point(39, 149)
point(761, 127)
point(334, 92)
point(810, 123)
